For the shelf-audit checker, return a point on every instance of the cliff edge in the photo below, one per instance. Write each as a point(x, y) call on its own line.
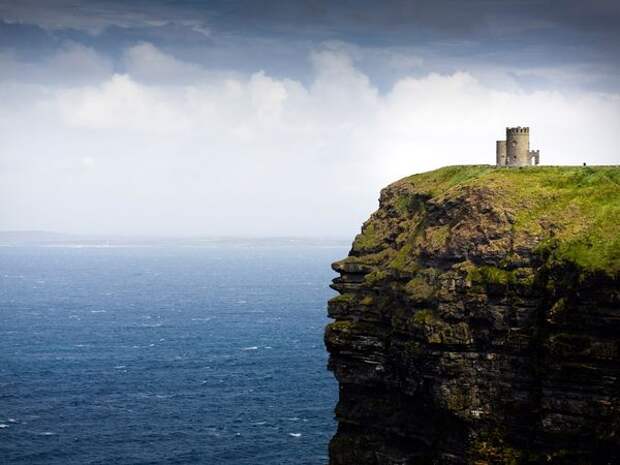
point(478, 321)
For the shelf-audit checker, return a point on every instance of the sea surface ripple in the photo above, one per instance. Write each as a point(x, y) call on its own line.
point(165, 355)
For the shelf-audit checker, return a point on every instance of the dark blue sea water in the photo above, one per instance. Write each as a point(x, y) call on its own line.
point(165, 355)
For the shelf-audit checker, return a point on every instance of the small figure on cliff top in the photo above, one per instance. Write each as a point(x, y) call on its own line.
point(515, 150)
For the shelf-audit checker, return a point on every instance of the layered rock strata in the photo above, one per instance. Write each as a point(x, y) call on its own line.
point(478, 321)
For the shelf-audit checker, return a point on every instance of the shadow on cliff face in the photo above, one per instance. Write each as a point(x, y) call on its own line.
point(381, 425)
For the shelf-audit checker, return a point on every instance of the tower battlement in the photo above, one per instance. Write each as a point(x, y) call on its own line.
point(517, 130)
point(515, 150)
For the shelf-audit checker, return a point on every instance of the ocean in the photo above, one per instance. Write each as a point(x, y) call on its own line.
point(165, 355)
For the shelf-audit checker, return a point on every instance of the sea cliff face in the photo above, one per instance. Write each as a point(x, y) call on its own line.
point(478, 321)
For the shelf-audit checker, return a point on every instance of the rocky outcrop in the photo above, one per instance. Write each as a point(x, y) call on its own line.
point(478, 321)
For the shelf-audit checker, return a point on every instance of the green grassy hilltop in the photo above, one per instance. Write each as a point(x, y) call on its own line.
point(574, 210)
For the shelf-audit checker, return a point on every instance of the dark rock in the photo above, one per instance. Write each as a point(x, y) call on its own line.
point(459, 339)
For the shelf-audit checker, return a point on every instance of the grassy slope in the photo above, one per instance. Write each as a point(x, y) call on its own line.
point(576, 208)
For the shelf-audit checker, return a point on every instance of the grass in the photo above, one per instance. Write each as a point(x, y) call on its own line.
point(491, 275)
point(420, 287)
point(342, 299)
point(369, 238)
point(375, 277)
point(436, 182)
point(575, 211)
point(404, 260)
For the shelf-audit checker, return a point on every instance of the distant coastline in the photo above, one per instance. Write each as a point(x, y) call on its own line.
point(57, 239)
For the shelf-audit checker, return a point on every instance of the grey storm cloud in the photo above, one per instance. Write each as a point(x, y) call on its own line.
point(501, 31)
point(359, 16)
point(275, 35)
point(448, 15)
point(95, 16)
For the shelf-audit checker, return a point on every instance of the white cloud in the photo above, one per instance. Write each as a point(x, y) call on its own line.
point(192, 152)
point(147, 63)
point(120, 104)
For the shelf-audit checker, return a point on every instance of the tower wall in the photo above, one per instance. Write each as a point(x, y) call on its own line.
point(518, 146)
point(500, 153)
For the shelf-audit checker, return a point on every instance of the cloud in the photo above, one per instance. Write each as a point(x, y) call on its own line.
point(72, 64)
point(167, 147)
point(97, 15)
point(394, 38)
point(147, 63)
point(393, 16)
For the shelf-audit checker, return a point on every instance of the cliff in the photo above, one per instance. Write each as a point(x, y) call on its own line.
point(478, 321)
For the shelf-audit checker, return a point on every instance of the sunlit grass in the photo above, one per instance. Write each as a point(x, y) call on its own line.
point(574, 210)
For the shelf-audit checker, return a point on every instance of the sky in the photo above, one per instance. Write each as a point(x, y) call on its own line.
point(283, 117)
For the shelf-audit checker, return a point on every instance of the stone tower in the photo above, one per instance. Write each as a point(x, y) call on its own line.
point(515, 150)
point(517, 146)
